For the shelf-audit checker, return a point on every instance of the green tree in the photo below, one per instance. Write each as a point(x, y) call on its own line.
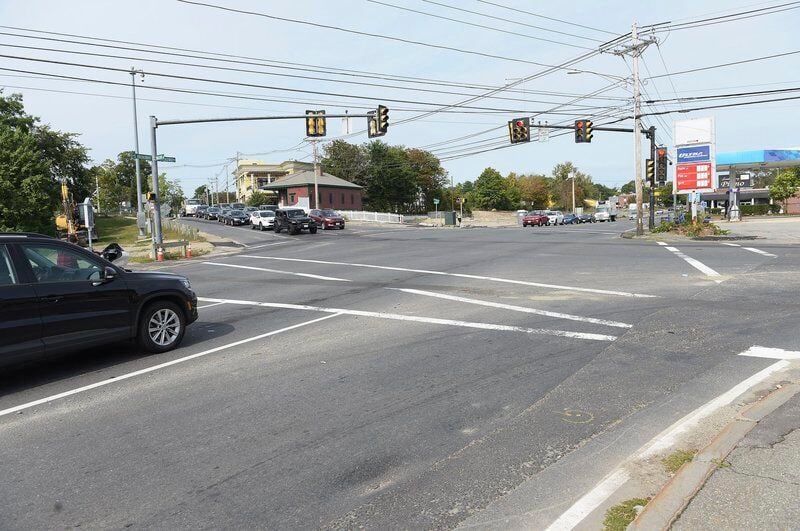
point(535, 190)
point(390, 183)
point(259, 198)
point(201, 192)
point(26, 202)
point(562, 186)
point(346, 161)
point(170, 193)
point(430, 177)
point(490, 191)
point(628, 188)
point(604, 192)
point(664, 194)
point(785, 186)
point(35, 160)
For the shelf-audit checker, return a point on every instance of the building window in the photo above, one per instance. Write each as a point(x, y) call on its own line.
point(342, 198)
point(291, 198)
point(352, 199)
point(330, 196)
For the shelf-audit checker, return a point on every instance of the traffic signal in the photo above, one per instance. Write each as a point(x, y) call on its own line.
point(383, 119)
point(661, 165)
point(151, 196)
point(650, 169)
point(583, 131)
point(315, 123)
point(519, 130)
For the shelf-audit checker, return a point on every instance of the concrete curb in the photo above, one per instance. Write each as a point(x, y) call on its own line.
point(669, 503)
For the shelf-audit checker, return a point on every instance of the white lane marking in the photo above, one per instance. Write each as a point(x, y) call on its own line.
point(661, 243)
point(460, 275)
point(597, 495)
point(590, 501)
point(774, 353)
point(266, 245)
point(511, 307)
point(210, 305)
point(759, 251)
point(129, 375)
point(278, 271)
point(697, 264)
point(731, 244)
point(414, 318)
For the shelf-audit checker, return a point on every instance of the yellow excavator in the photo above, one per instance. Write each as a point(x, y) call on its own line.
point(69, 225)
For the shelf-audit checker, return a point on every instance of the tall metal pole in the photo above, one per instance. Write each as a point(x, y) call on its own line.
point(637, 135)
point(139, 209)
point(158, 237)
point(316, 171)
point(652, 220)
point(573, 192)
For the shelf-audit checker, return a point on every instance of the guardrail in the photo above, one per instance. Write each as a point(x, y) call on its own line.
point(375, 217)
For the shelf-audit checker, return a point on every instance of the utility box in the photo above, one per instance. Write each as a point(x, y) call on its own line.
point(450, 218)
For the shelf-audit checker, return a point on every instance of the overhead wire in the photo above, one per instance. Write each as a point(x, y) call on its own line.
point(546, 17)
point(473, 24)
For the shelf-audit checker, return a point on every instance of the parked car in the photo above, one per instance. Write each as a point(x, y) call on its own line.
point(587, 218)
point(268, 207)
point(294, 221)
point(238, 206)
point(223, 215)
point(224, 205)
point(59, 297)
point(555, 217)
point(535, 217)
point(211, 213)
point(200, 211)
point(262, 220)
point(571, 219)
point(237, 217)
point(327, 219)
point(189, 207)
point(249, 210)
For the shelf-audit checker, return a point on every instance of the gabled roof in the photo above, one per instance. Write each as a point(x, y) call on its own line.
point(306, 178)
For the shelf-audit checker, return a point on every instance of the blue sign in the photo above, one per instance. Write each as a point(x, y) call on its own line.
point(700, 153)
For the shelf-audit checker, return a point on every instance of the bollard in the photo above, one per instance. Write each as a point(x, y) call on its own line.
point(160, 255)
point(188, 250)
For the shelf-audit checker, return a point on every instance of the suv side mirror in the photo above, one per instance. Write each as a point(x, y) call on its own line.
point(109, 274)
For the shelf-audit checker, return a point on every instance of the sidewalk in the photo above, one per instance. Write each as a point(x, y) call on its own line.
point(758, 485)
point(784, 230)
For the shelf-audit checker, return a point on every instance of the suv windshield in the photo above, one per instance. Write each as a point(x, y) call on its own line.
point(213, 209)
point(295, 213)
point(237, 213)
point(267, 214)
point(329, 213)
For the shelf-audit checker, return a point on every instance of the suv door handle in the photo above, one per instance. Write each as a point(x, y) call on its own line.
point(52, 298)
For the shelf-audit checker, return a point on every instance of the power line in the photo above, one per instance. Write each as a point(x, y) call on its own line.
point(545, 17)
point(212, 67)
point(365, 33)
point(722, 106)
point(722, 65)
point(725, 96)
point(664, 63)
point(473, 24)
point(741, 15)
point(512, 21)
point(270, 63)
point(252, 85)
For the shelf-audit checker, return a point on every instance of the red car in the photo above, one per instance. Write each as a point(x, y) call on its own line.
point(327, 219)
point(535, 218)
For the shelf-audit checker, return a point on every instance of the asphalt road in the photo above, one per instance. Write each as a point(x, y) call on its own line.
point(416, 393)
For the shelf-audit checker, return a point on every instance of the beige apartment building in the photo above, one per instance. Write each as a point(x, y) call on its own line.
point(252, 175)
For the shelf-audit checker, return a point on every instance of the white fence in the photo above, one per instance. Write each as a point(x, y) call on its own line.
point(376, 217)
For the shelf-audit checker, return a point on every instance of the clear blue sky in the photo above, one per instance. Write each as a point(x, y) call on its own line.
point(105, 123)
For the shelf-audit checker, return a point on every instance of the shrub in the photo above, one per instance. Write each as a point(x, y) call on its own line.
point(759, 210)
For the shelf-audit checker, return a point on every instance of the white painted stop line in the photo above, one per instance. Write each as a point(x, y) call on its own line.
point(697, 264)
point(772, 353)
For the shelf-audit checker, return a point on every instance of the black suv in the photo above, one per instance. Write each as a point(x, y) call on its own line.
point(56, 297)
point(237, 217)
point(294, 221)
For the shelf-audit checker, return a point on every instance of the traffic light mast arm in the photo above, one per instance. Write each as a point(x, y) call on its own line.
point(255, 118)
point(594, 128)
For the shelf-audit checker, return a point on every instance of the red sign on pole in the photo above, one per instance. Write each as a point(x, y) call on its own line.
point(694, 176)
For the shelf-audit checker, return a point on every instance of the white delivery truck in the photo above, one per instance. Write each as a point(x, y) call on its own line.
point(607, 210)
point(190, 207)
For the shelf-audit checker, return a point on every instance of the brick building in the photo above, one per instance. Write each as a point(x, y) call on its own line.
point(253, 175)
point(334, 192)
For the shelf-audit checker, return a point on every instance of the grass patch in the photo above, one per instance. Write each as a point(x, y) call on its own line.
point(692, 230)
point(125, 232)
point(173, 255)
point(676, 459)
point(619, 517)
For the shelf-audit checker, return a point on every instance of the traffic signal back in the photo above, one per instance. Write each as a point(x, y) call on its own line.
point(519, 130)
point(315, 123)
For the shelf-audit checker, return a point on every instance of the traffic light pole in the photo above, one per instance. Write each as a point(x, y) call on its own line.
point(158, 237)
point(316, 171)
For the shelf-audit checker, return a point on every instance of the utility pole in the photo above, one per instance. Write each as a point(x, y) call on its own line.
point(235, 174)
point(635, 49)
point(316, 171)
point(637, 126)
point(139, 209)
point(572, 178)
